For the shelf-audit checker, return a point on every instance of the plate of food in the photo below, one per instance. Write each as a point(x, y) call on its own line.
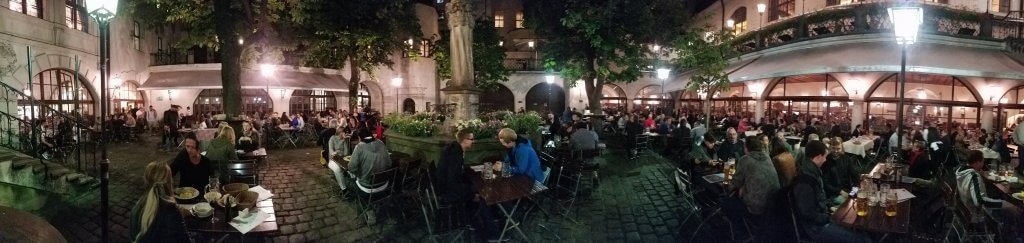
point(1018, 196)
point(186, 193)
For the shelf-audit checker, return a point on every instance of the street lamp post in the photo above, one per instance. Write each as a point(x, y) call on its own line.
point(760, 11)
point(103, 11)
point(550, 79)
point(662, 74)
point(397, 82)
point(906, 21)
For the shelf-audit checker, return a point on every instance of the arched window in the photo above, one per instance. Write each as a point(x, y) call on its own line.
point(1011, 107)
point(820, 95)
point(59, 90)
point(544, 98)
point(498, 99)
point(253, 100)
point(303, 101)
point(127, 96)
point(409, 106)
point(736, 100)
point(739, 18)
point(935, 98)
point(651, 97)
point(612, 96)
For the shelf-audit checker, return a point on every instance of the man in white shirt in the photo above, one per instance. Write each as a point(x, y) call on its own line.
point(1018, 138)
point(154, 123)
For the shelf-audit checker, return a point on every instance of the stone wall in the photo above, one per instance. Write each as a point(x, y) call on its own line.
point(430, 148)
point(27, 184)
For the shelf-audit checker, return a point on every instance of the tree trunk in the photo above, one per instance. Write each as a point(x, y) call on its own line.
point(353, 84)
point(707, 111)
point(593, 86)
point(230, 53)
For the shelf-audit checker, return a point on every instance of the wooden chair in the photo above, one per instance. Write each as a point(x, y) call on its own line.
point(246, 170)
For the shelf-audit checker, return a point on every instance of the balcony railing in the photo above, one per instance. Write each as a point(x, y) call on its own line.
point(524, 64)
point(189, 56)
point(870, 18)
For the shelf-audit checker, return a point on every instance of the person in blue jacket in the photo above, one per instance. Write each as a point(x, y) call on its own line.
point(522, 159)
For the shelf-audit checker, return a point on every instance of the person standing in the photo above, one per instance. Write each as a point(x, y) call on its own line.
point(170, 121)
point(151, 119)
point(1018, 138)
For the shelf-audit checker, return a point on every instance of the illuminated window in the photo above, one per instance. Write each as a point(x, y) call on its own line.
point(136, 35)
point(1001, 6)
point(128, 95)
point(519, 20)
point(74, 10)
point(29, 7)
point(499, 19)
point(253, 100)
point(60, 90)
point(740, 20)
point(781, 9)
point(304, 101)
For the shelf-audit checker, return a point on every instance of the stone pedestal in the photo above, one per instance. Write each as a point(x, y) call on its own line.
point(466, 101)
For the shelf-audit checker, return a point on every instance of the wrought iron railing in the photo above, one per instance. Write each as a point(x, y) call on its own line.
point(873, 17)
point(523, 64)
point(189, 56)
point(52, 135)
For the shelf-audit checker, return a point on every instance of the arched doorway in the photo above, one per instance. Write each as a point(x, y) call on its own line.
point(253, 100)
point(613, 97)
point(60, 90)
point(499, 99)
point(369, 96)
point(545, 97)
point(304, 101)
point(930, 98)
point(127, 96)
point(409, 106)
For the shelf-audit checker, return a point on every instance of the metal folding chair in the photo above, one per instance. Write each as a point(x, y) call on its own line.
point(246, 170)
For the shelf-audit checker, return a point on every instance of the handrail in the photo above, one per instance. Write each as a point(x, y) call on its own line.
point(866, 18)
point(70, 135)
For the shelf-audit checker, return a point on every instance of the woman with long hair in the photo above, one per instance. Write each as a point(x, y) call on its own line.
point(156, 217)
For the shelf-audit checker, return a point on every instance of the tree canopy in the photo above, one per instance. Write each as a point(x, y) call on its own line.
point(602, 41)
point(705, 54)
point(318, 33)
point(488, 56)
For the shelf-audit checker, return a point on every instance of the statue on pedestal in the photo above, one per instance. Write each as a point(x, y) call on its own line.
point(460, 90)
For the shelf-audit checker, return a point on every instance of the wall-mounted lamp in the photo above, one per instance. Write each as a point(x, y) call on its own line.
point(530, 44)
point(730, 23)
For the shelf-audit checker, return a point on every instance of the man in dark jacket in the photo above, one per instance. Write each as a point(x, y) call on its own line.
point(838, 171)
point(170, 121)
point(809, 201)
point(732, 147)
point(454, 188)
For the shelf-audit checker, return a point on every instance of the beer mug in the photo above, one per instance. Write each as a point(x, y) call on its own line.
point(890, 204)
point(861, 204)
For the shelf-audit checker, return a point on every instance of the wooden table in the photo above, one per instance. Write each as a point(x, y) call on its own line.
point(495, 192)
point(221, 226)
point(1004, 190)
point(25, 227)
point(876, 220)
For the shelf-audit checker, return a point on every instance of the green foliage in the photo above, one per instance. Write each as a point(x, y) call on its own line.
point(365, 31)
point(602, 40)
point(705, 54)
point(410, 125)
point(524, 123)
point(488, 57)
point(481, 129)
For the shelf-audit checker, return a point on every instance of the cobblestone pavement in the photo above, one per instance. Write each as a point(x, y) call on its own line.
point(635, 202)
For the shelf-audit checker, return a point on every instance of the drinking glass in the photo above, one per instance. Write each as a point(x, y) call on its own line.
point(487, 172)
point(885, 188)
point(890, 204)
point(505, 173)
point(213, 185)
point(861, 204)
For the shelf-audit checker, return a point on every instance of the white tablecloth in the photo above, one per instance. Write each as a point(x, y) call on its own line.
point(989, 153)
point(861, 149)
point(752, 133)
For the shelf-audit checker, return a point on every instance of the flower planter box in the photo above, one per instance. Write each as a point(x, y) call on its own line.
point(430, 148)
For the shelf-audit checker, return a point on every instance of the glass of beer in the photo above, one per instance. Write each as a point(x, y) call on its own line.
point(861, 204)
point(890, 204)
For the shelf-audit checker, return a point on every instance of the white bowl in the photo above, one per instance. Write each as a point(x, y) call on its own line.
point(202, 210)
